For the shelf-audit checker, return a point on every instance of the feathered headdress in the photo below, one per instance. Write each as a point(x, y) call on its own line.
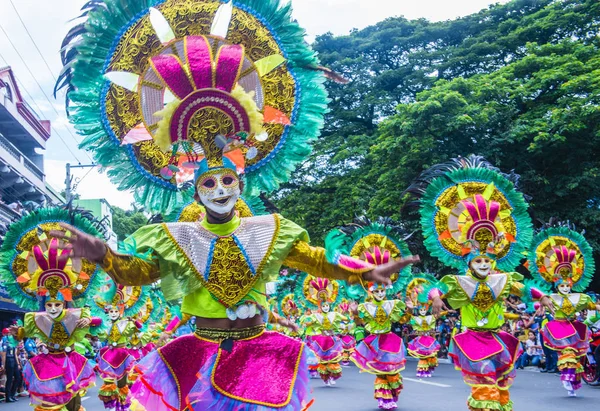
point(35, 267)
point(307, 296)
point(164, 91)
point(468, 208)
point(130, 301)
point(377, 242)
point(560, 254)
point(288, 306)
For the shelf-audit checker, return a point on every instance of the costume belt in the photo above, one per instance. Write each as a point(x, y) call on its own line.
point(221, 334)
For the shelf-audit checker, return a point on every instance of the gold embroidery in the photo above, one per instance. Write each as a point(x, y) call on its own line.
point(115, 334)
point(193, 17)
point(567, 306)
point(483, 299)
point(380, 316)
point(218, 334)
point(59, 335)
point(230, 278)
point(326, 323)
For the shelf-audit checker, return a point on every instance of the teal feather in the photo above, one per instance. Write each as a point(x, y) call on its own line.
point(429, 209)
point(8, 253)
point(577, 238)
point(85, 83)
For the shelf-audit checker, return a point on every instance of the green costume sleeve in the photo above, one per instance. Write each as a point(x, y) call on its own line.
point(398, 313)
point(80, 333)
point(30, 329)
point(455, 295)
point(289, 233)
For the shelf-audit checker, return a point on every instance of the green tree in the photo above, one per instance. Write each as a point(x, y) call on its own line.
point(127, 222)
point(516, 83)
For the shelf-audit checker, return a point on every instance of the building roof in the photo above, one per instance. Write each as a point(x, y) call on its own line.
point(43, 127)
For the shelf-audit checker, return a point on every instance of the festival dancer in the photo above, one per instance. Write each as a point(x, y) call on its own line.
point(382, 353)
point(37, 274)
point(240, 97)
point(562, 257)
point(325, 323)
point(289, 308)
point(312, 361)
point(424, 346)
point(347, 332)
point(115, 360)
point(474, 220)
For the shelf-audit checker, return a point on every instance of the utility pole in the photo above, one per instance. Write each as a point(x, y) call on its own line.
point(69, 179)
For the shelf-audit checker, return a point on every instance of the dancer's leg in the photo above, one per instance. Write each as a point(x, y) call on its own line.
point(570, 370)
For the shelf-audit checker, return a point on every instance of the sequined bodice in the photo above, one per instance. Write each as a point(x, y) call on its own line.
point(483, 298)
point(228, 266)
point(59, 335)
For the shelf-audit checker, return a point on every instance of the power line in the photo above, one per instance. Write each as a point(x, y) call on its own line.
point(22, 87)
point(32, 40)
point(39, 85)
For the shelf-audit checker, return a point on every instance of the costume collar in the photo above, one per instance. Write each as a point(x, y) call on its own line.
point(224, 229)
point(61, 316)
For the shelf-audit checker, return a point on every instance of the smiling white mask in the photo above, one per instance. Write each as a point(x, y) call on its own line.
point(219, 190)
point(114, 314)
point(54, 309)
point(481, 266)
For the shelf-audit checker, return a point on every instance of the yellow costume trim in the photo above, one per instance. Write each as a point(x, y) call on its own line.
point(472, 360)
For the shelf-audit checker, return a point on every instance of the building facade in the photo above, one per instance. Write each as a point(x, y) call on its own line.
point(23, 137)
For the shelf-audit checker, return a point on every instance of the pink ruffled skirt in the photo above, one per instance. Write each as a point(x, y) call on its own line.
point(114, 363)
point(262, 373)
point(327, 348)
point(380, 354)
point(485, 357)
point(55, 378)
point(561, 334)
point(423, 346)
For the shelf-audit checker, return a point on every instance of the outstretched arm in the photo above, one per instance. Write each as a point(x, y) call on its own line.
point(123, 269)
point(312, 260)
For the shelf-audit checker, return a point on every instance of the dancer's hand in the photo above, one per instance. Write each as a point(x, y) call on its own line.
point(546, 302)
point(82, 245)
point(84, 322)
point(409, 304)
point(382, 273)
point(438, 306)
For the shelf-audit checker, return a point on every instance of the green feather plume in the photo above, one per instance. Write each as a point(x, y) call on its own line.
point(8, 252)
point(577, 238)
point(85, 52)
point(519, 206)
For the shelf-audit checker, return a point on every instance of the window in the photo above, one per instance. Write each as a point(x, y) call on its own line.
point(8, 92)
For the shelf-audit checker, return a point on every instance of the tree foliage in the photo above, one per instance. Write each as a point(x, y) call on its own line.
point(127, 222)
point(517, 83)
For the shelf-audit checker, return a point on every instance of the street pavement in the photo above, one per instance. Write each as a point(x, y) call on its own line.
point(533, 391)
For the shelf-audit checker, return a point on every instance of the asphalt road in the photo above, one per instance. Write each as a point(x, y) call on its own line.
point(532, 391)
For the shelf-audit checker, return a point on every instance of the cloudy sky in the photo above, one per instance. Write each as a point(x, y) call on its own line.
point(41, 25)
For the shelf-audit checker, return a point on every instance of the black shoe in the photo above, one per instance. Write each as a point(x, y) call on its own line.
point(543, 370)
point(11, 400)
